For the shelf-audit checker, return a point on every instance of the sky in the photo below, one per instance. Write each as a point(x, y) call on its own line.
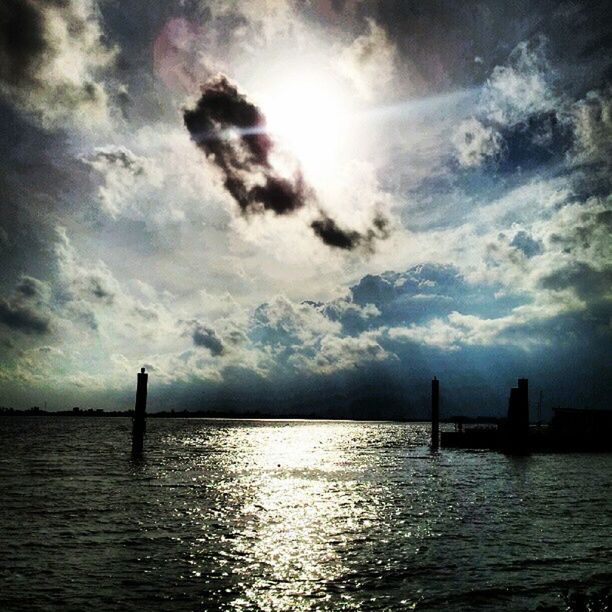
point(308, 207)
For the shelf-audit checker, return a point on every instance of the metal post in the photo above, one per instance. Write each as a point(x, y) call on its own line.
point(139, 422)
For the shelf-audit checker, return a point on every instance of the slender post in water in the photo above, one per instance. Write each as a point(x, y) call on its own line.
point(139, 423)
point(435, 413)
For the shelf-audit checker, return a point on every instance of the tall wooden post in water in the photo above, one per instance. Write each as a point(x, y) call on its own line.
point(139, 422)
point(435, 413)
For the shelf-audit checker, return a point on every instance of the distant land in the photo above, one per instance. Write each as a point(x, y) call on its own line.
point(35, 411)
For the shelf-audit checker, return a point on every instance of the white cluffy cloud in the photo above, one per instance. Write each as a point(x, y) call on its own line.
point(369, 62)
point(521, 87)
point(475, 143)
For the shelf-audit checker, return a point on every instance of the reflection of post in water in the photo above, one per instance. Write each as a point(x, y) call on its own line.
point(139, 423)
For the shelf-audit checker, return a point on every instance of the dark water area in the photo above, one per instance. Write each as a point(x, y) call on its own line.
point(293, 515)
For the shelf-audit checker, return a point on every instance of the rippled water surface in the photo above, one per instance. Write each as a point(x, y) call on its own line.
point(293, 515)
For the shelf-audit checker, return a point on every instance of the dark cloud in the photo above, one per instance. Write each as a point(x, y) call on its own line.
point(148, 314)
point(231, 131)
point(426, 291)
point(332, 235)
point(591, 228)
point(30, 287)
point(27, 310)
point(335, 236)
point(23, 318)
point(443, 49)
point(590, 283)
point(206, 337)
point(540, 139)
point(38, 34)
point(23, 43)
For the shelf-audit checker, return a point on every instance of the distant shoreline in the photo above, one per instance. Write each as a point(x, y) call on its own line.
point(229, 416)
point(211, 416)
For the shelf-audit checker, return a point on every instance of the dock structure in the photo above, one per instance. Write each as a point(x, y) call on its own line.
point(140, 409)
point(435, 413)
point(571, 430)
point(518, 416)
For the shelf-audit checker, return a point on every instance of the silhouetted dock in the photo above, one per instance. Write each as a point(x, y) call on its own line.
point(571, 430)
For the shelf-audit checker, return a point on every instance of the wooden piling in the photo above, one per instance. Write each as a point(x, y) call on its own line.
point(139, 420)
point(435, 413)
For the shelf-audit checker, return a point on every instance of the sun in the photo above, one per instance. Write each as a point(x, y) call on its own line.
point(309, 115)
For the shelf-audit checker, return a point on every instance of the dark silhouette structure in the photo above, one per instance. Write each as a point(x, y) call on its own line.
point(571, 430)
point(517, 429)
point(139, 420)
point(435, 413)
point(576, 429)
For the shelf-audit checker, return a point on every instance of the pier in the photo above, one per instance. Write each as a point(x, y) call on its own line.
point(571, 430)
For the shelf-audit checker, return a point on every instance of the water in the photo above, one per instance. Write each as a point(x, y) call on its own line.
point(298, 515)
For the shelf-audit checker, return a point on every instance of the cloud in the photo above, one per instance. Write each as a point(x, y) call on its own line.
point(586, 280)
point(332, 235)
point(522, 87)
point(93, 302)
point(369, 62)
point(421, 292)
point(206, 337)
point(475, 143)
point(337, 353)
point(231, 131)
point(521, 120)
point(30, 287)
point(91, 283)
point(51, 54)
point(282, 322)
point(125, 174)
point(521, 328)
point(526, 244)
point(117, 156)
point(178, 55)
point(593, 128)
point(27, 309)
point(259, 21)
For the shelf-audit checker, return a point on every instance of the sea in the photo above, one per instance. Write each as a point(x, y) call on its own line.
point(293, 515)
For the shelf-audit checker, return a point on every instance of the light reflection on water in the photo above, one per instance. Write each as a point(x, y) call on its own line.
point(291, 516)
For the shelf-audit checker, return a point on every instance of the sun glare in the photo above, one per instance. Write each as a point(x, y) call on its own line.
point(309, 117)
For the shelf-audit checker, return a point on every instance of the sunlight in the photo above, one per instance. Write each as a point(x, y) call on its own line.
point(308, 114)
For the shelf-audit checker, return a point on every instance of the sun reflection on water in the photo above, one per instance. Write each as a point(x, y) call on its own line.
point(286, 512)
point(297, 515)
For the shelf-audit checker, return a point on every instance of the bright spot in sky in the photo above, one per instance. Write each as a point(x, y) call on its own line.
point(309, 116)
